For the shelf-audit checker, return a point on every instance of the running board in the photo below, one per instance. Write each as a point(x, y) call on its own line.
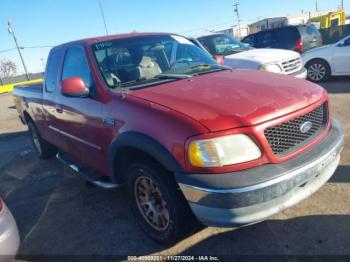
point(89, 176)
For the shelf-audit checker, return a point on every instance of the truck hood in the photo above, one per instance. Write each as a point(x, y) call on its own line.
point(265, 56)
point(237, 98)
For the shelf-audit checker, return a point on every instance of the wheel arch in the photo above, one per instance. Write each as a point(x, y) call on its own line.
point(320, 59)
point(127, 147)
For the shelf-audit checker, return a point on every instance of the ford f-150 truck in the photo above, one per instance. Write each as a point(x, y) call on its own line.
point(192, 140)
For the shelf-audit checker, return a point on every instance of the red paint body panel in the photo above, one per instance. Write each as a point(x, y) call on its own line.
point(173, 114)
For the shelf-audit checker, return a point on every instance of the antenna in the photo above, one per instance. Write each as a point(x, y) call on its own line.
point(103, 16)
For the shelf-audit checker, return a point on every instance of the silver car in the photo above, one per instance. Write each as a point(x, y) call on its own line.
point(9, 237)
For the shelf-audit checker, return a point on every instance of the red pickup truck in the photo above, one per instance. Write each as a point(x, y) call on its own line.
point(192, 140)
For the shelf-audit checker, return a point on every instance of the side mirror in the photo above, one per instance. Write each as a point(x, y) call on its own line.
point(219, 59)
point(74, 87)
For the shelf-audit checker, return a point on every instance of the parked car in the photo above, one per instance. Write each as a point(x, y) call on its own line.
point(238, 55)
point(330, 60)
point(191, 139)
point(297, 38)
point(9, 237)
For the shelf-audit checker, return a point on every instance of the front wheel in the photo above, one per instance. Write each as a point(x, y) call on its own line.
point(43, 148)
point(158, 204)
point(318, 70)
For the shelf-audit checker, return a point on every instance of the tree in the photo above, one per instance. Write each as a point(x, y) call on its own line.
point(8, 68)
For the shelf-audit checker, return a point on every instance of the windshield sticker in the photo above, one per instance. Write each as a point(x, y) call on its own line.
point(182, 40)
point(103, 45)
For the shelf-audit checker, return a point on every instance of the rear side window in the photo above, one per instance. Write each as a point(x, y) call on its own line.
point(285, 38)
point(76, 65)
point(51, 71)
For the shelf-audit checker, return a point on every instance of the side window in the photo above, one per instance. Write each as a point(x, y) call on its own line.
point(208, 44)
point(249, 40)
point(335, 22)
point(264, 40)
point(51, 71)
point(347, 42)
point(75, 65)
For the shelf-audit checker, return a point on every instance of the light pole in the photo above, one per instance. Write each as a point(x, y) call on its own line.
point(12, 32)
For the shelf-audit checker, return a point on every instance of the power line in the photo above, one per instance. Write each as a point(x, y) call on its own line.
point(204, 27)
point(8, 50)
point(39, 46)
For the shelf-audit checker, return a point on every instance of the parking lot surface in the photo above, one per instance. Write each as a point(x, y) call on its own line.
point(58, 213)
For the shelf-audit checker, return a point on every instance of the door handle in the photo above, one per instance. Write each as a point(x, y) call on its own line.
point(59, 109)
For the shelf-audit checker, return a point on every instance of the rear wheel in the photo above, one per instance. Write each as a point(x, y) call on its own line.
point(43, 148)
point(158, 204)
point(318, 70)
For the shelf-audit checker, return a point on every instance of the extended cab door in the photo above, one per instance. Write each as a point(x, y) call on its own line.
point(341, 57)
point(50, 88)
point(79, 119)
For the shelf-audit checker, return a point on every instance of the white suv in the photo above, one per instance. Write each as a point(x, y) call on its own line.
point(238, 55)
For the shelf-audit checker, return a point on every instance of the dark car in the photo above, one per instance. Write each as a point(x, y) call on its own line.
point(298, 38)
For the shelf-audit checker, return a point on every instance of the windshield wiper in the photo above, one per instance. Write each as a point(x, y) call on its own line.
point(215, 67)
point(172, 76)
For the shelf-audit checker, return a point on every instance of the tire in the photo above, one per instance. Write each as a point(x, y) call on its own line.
point(318, 70)
point(154, 193)
point(44, 149)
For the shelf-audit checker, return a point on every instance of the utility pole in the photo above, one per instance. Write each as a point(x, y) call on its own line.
point(103, 16)
point(238, 19)
point(316, 6)
point(12, 32)
point(342, 4)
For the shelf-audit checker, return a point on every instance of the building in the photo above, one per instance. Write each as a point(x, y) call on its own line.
point(235, 31)
point(277, 22)
point(331, 19)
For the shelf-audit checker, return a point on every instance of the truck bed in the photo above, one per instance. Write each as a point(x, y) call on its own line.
point(29, 90)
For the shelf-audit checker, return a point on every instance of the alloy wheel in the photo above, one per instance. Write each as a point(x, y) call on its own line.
point(36, 140)
point(151, 203)
point(317, 72)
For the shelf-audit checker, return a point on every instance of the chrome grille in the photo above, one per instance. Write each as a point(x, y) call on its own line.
point(288, 137)
point(291, 65)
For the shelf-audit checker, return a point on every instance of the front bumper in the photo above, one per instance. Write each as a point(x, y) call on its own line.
point(9, 237)
point(250, 196)
point(302, 74)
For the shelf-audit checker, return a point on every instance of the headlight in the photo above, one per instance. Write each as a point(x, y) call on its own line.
point(271, 68)
point(223, 151)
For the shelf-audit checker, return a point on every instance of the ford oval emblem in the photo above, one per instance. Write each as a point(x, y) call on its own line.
point(305, 127)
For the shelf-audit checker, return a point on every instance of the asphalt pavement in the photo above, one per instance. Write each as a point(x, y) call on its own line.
point(58, 213)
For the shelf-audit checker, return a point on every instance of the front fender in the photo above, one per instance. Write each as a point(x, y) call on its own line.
point(143, 143)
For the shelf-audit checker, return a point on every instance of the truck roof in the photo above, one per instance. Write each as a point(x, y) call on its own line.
point(109, 37)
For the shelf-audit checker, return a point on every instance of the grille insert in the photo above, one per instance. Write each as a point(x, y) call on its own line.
point(291, 65)
point(288, 137)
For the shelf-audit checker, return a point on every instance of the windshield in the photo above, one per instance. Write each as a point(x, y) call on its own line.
point(222, 45)
point(150, 59)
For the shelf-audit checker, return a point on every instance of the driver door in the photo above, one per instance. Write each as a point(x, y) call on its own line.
point(79, 119)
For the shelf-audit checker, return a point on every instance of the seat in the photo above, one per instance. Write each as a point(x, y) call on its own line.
point(147, 69)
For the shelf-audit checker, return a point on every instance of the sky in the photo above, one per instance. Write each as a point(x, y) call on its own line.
point(42, 23)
